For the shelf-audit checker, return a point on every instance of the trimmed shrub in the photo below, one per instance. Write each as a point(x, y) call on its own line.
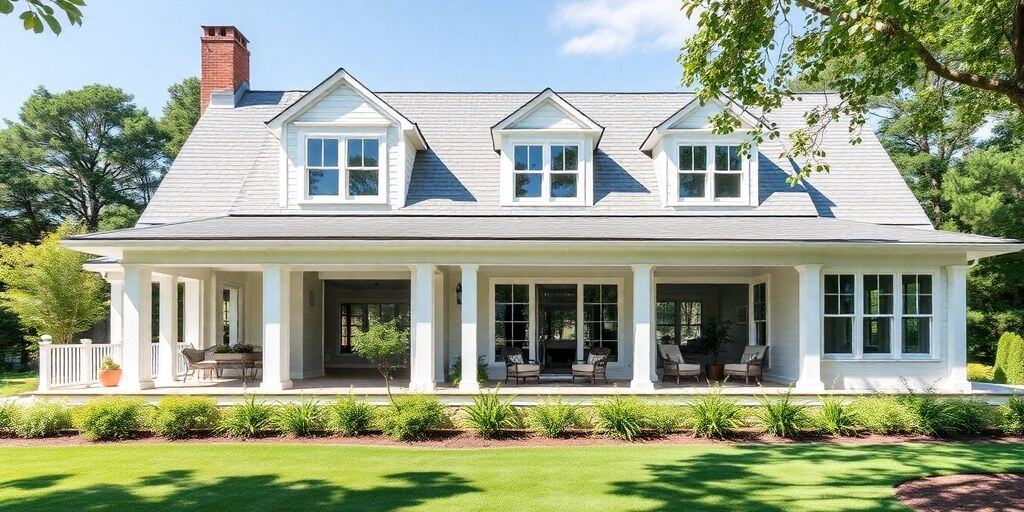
point(248, 419)
point(1009, 367)
point(554, 418)
point(621, 417)
point(835, 417)
point(782, 417)
point(947, 417)
point(411, 417)
point(1013, 416)
point(977, 372)
point(9, 413)
point(350, 417)
point(883, 415)
point(714, 415)
point(664, 418)
point(300, 419)
point(43, 419)
point(178, 417)
point(489, 415)
point(110, 418)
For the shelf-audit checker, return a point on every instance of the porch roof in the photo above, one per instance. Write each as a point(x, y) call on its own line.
point(513, 228)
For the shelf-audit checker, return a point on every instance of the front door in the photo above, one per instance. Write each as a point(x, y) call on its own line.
point(557, 312)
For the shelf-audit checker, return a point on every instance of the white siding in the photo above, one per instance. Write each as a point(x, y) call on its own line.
point(699, 118)
point(547, 116)
point(783, 324)
point(342, 105)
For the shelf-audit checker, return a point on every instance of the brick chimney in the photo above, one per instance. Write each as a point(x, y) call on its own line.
point(225, 59)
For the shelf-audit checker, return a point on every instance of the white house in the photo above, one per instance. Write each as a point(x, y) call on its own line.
point(554, 221)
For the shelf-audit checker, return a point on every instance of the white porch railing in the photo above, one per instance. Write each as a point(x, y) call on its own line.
point(78, 364)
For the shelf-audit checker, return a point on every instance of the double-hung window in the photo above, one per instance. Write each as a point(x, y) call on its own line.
point(511, 318)
point(840, 290)
point(693, 171)
point(343, 167)
point(878, 313)
point(546, 172)
point(917, 313)
point(761, 313)
point(710, 173)
point(728, 172)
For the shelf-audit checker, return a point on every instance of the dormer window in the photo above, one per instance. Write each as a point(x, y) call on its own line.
point(322, 166)
point(344, 168)
point(546, 171)
point(728, 172)
point(693, 171)
point(363, 167)
point(696, 184)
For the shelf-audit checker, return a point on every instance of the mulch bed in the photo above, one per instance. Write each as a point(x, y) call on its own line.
point(1000, 492)
point(456, 439)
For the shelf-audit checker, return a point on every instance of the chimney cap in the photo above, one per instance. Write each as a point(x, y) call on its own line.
point(223, 32)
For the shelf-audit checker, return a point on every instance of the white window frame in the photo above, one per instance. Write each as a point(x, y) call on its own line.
point(343, 136)
point(584, 171)
point(669, 155)
point(852, 316)
point(896, 342)
point(865, 315)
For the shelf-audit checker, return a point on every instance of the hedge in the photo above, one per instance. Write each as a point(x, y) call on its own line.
point(1009, 367)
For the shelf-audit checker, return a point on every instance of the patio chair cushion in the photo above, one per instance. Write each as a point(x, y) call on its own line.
point(683, 369)
point(515, 358)
point(527, 368)
point(594, 358)
point(737, 367)
point(193, 355)
point(583, 368)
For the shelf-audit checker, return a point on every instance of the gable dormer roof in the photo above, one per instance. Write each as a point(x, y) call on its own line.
point(526, 117)
point(677, 121)
point(338, 79)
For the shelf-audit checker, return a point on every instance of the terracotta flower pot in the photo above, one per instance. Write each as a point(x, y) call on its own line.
point(110, 378)
point(715, 372)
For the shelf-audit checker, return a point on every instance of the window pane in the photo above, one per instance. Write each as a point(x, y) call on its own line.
point(536, 158)
point(691, 185)
point(610, 293)
point(502, 293)
point(314, 152)
point(323, 183)
point(666, 312)
point(563, 185)
point(557, 163)
point(924, 282)
point(685, 158)
point(700, 158)
point(846, 284)
point(521, 293)
point(355, 152)
point(330, 152)
point(838, 335)
point(832, 283)
point(877, 334)
point(528, 184)
point(735, 161)
point(362, 183)
point(727, 185)
point(371, 148)
point(520, 158)
point(572, 158)
point(916, 335)
point(762, 333)
point(722, 158)
point(591, 293)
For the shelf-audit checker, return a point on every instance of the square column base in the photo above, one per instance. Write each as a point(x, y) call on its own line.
point(275, 386)
point(421, 387)
point(641, 385)
point(809, 386)
point(469, 387)
point(137, 386)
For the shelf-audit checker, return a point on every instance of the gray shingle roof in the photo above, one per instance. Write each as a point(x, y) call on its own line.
point(533, 227)
point(229, 164)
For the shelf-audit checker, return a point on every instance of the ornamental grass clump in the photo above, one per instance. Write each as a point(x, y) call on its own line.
point(350, 417)
point(111, 418)
point(782, 417)
point(621, 417)
point(835, 417)
point(664, 418)
point(555, 418)
point(178, 417)
point(300, 419)
point(412, 417)
point(714, 415)
point(948, 417)
point(489, 415)
point(883, 415)
point(1013, 416)
point(43, 419)
point(248, 419)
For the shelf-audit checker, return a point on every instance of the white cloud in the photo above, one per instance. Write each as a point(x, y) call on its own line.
point(606, 27)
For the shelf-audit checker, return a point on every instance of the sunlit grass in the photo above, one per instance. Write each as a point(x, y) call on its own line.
point(15, 383)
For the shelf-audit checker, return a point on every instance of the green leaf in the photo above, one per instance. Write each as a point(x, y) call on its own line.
point(53, 24)
point(6, 7)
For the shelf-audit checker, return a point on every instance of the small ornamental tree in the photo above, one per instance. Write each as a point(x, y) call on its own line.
point(48, 289)
point(383, 343)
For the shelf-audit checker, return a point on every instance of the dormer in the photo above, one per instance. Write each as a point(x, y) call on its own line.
point(699, 168)
point(547, 153)
point(343, 146)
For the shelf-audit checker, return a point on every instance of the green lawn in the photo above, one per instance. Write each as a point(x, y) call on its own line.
point(322, 477)
point(14, 383)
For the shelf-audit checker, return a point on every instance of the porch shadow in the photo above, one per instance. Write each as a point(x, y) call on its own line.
point(255, 492)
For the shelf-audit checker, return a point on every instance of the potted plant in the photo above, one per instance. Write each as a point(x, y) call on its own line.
point(716, 334)
point(110, 372)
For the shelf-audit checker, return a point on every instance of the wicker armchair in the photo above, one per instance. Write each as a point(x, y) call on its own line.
point(673, 364)
point(518, 368)
point(750, 365)
point(196, 363)
point(595, 367)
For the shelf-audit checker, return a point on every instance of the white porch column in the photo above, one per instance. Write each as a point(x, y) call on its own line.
point(136, 352)
point(168, 312)
point(644, 371)
point(956, 337)
point(469, 356)
point(421, 356)
point(809, 304)
point(192, 322)
point(116, 308)
point(276, 313)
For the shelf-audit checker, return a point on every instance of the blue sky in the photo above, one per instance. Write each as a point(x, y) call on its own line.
point(143, 46)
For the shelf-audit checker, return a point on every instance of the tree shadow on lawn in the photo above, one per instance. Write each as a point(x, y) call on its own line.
point(753, 478)
point(251, 492)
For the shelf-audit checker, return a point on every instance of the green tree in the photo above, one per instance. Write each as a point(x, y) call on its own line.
point(383, 343)
point(751, 50)
point(118, 216)
point(36, 15)
point(27, 210)
point(48, 289)
point(181, 113)
point(95, 147)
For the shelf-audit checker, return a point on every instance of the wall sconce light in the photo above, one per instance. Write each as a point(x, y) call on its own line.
point(458, 294)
